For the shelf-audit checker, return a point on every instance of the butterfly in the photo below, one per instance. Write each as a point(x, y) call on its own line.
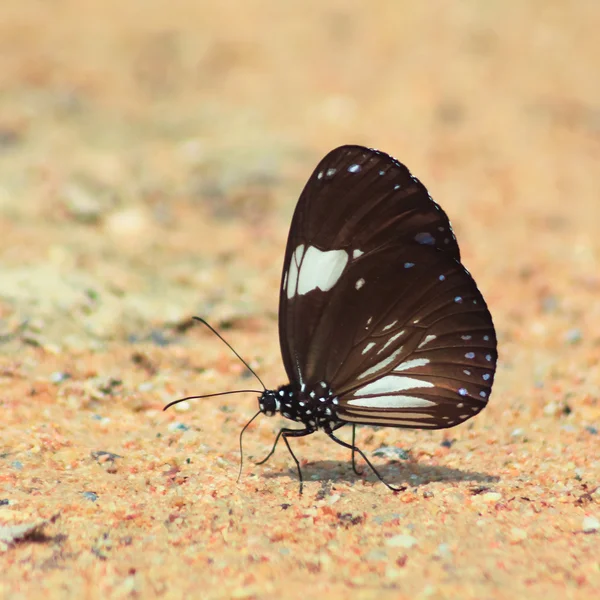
point(379, 322)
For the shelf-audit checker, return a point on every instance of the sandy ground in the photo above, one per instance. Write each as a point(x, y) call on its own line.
point(151, 154)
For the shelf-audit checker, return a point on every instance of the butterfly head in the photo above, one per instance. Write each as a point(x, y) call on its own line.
point(268, 403)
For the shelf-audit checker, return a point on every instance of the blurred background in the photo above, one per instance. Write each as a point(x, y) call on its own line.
point(151, 153)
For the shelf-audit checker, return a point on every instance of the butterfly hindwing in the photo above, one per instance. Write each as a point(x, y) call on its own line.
point(406, 340)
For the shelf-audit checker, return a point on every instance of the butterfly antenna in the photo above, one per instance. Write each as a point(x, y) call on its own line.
point(241, 450)
point(211, 396)
point(231, 348)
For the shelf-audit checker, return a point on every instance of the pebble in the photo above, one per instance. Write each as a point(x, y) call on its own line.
point(590, 525)
point(488, 497)
point(391, 453)
point(517, 535)
point(58, 376)
point(443, 551)
point(573, 336)
point(182, 406)
point(176, 426)
point(551, 409)
point(82, 203)
point(129, 223)
point(401, 541)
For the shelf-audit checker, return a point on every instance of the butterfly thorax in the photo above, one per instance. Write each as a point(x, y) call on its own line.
point(315, 407)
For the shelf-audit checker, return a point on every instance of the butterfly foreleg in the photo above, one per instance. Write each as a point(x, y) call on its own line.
point(286, 433)
point(355, 448)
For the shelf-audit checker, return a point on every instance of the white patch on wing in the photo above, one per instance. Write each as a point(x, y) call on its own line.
point(381, 365)
point(356, 418)
point(359, 283)
point(368, 347)
point(411, 364)
point(391, 384)
point(390, 325)
point(295, 262)
point(393, 402)
point(428, 339)
point(357, 253)
point(391, 341)
point(315, 269)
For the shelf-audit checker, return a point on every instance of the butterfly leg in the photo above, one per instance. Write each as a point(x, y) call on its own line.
point(356, 449)
point(359, 473)
point(268, 456)
point(285, 434)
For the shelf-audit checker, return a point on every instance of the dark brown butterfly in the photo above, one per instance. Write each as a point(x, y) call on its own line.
point(379, 322)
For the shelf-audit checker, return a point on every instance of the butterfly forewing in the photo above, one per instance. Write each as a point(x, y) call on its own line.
point(375, 302)
point(356, 202)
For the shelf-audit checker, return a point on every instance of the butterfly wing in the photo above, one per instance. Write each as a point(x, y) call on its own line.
point(375, 301)
point(356, 201)
point(406, 340)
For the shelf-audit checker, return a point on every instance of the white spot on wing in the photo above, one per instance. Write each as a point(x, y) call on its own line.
point(361, 418)
point(428, 339)
point(331, 172)
point(315, 269)
point(381, 365)
point(368, 347)
point(354, 168)
point(357, 253)
point(392, 402)
point(390, 325)
point(293, 270)
point(359, 283)
point(425, 238)
point(391, 341)
point(391, 384)
point(411, 364)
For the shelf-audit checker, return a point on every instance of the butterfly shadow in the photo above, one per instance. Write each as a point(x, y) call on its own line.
point(395, 473)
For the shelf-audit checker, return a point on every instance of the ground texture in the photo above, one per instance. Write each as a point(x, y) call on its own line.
point(151, 153)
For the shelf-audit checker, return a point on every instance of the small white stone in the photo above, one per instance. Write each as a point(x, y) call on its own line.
point(517, 535)
point(551, 409)
point(488, 497)
point(401, 541)
point(590, 525)
point(443, 551)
